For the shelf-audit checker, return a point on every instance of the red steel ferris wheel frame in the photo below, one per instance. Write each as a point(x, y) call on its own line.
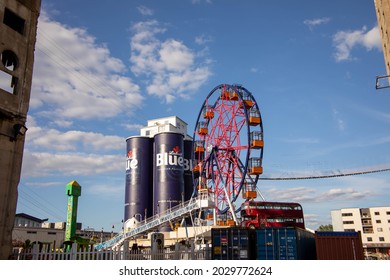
point(225, 136)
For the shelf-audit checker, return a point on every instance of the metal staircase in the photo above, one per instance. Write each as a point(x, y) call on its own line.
point(203, 201)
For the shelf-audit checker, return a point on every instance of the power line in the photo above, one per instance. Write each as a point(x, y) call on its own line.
point(41, 204)
point(325, 176)
point(91, 80)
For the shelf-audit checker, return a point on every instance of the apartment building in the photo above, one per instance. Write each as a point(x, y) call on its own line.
point(373, 223)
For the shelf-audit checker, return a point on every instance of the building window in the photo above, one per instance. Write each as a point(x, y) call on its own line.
point(368, 230)
point(369, 239)
point(382, 239)
point(346, 214)
point(8, 82)
point(51, 233)
point(9, 60)
point(31, 232)
point(387, 212)
point(378, 221)
point(14, 21)
point(348, 222)
point(379, 229)
point(376, 213)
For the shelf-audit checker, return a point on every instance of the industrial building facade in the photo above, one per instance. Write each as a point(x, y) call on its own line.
point(373, 223)
point(168, 124)
point(382, 9)
point(18, 27)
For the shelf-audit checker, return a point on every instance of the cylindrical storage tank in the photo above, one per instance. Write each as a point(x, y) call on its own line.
point(188, 166)
point(168, 187)
point(188, 170)
point(139, 179)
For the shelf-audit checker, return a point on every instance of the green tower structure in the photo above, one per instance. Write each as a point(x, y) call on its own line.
point(73, 191)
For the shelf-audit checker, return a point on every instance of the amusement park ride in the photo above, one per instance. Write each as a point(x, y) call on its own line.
point(227, 159)
point(228, 149)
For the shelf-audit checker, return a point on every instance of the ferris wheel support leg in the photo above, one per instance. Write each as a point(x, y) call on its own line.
point(232, 209)
point(260, 194)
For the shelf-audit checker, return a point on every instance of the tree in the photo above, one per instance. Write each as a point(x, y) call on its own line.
point(27, 244)
point(325, 228)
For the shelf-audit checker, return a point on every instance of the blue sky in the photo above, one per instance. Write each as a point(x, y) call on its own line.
point(103, 68)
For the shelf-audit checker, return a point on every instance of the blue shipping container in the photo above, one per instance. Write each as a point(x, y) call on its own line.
point(232, 244)
point(285, 243)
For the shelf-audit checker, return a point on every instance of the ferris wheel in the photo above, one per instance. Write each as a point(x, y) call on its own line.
point(228, 146)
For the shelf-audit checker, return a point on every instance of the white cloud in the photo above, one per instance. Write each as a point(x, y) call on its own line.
point(317, 21)
point(133, 127)
point(169, 64)
point(312, 219)
point(175, 56)
point(340, 122)
point(344, 194)
point(203, 39)
point(200, 1)
point(76, 78)
point(50, 151)
point(292, 194)
point(145, 11)
point(40, 164)
point(351, 191)
point(55, 140)
point(62, 123)
point(345, 41)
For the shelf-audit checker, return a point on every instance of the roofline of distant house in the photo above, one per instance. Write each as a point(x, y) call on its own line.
point(23, 215)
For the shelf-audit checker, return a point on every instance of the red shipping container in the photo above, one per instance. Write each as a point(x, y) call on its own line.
point(339, 245)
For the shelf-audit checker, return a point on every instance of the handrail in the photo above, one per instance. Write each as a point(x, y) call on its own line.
point(156, 220)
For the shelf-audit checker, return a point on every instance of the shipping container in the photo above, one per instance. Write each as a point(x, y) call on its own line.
point(284, 243)
point(232, 244)
point(339, 245)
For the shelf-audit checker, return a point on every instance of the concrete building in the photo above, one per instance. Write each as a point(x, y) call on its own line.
point(31, 229)
point(168, 124)
point(373, 223)
point(18, 26)
point(382, 9)
point(24, 220)
point(49, 235)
